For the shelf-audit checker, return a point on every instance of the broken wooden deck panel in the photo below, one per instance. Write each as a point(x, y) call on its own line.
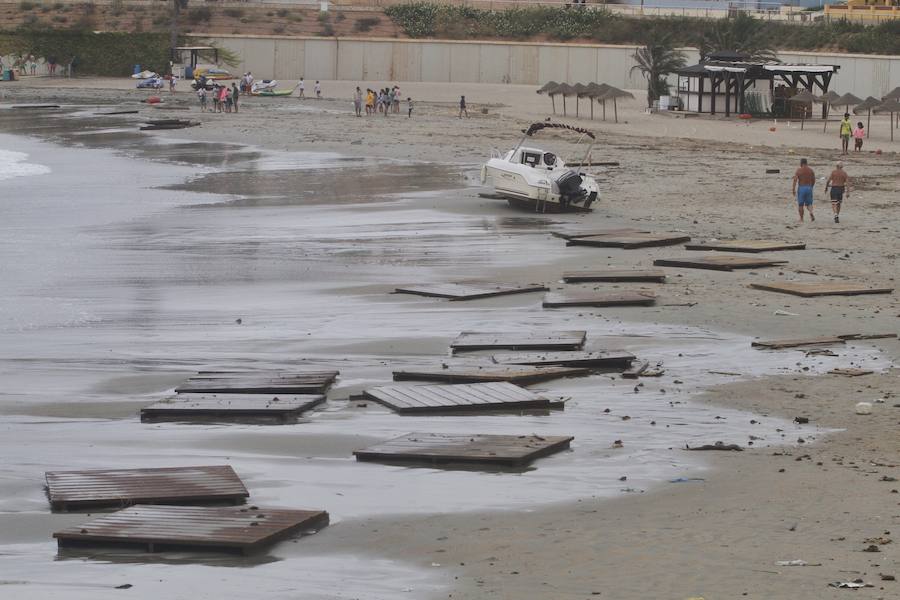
point(444, 449)
point(828, 288)
point(550, 340)
point(190, 406)
point(630, 241)
point(596, 360)
point(571, 235)
point(616, 275)
point(468, 291)
point(747, 246)
point(590, 298)
point(718, 263)
point(69, 490)
point(517, 374)
point(797, 343)
point(465, 397)
point(259, 382)
point(636, 370)
point(850, 372)
point(211, 528)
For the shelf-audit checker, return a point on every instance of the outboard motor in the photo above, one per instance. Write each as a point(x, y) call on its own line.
point(569, 184)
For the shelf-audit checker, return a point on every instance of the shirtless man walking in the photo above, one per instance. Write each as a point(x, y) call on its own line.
point(802, 188)
point(839, 182)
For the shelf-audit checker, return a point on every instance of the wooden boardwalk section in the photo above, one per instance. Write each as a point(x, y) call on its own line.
point(753, 246)
point(258, 382)
point(616, 275)
point(443, 449)
point(630, 241)
point(201, 407)
point(718, 263)
point(166, 527)
point(830, 288)
point(584, 233)
point(468, 291)
point(589, 298)
point(551, 340)
point(466, 397)
point(517, 374)
point(68, 490)
point(611, 359)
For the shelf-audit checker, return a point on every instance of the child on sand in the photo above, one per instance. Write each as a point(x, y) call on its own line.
point(858, 134)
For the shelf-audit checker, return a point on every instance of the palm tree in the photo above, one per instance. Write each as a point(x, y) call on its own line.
point(655, 61)
point(742, 34)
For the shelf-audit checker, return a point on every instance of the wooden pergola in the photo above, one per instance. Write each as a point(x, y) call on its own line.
point(731, 75)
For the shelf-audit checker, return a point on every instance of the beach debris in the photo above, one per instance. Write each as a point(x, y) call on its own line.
point(571, 235)
point(68, 490)
point(796, 563)
point(801, 420)
point(518, 374)
point(829, 288)
point(752, 246)
point(213, 528)
point(885, 577)
point(784, 313)
point(232, 407)
point(850, 372)
point(772, 171)
point(572, 358)
point(718, 263)
point(616, 275)
point(729, 373)
point(551, 340)
point(717, 446)
point(466, 397)
point(124, 586)
point(469, 291)
point(636, 369)
point(863, 408)
point(158, 124)
point(882, 541)
point(630, 241)
point(872, 548)
point(686, 479)
point(450, 449)
point(855, 584)
point(259, 382)
point(626, 298)
point(797, 343)
point(34, 106)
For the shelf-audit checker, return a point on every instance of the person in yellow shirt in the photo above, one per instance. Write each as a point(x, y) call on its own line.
point(846, 130)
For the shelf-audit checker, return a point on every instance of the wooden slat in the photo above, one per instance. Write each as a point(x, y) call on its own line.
point(645, 275)
point(231, 406)
point(411, 399)
point(606, 358)
point(630, 240)
point(520, 374)
point(571, 235)
point(259, 382)
point(850, 372)
point(224, 528)
point(797, 343)
point(829, 288)
point(747, 246)
point(718, 263)
point(636, 370)
point(122, 487)
point(556, 340)
point(434, 449)
point(564, 299)
point(468, 291)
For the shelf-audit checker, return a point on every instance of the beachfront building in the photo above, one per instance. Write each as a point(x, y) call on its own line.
point(731, 83)
point(864, 10)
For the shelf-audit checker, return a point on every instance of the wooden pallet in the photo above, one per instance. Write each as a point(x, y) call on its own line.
point(517, 374)
point(614, 275)
point(72, 490)
point(468, 291)
point(595, 360)
point(467, 397)
point(829, 288)
point(565, 299)
point(747, 246)
point(258, 382)
point(572, 235)
point(445, 449)
point(220, 528)
point(194, 407)
point(552, 340)
point(630, 241)
point(718, 263)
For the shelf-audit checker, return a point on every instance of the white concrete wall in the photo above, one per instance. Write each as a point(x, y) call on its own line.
point(388, 60)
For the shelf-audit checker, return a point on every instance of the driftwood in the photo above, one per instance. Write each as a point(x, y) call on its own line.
point(716, 446)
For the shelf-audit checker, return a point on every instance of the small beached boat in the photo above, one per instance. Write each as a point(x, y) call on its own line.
point(538, 180)
point(267, 88)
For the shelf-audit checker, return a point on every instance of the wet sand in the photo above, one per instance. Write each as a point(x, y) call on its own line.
point(640, 538)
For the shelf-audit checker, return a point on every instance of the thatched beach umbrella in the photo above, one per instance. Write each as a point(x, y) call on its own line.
point(866, 106)
point(596, 93)
point(894, 94)
point(614, 93)
point(548, 88)
point(581, 91)
point(890, 106)
point(803, 97)
point(564, 90)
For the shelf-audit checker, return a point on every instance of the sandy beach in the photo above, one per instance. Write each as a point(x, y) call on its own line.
point(249, 216)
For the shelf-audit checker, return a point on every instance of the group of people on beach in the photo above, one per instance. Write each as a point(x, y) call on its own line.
point(220, 98)
point(383, 101)
point(805, 180)
point(847, 130)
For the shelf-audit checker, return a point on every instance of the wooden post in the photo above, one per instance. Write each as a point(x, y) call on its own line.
point(727, 94)
point(699, 95)
point(713, 86)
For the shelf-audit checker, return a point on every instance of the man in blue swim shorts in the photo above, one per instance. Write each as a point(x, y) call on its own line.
point(802, 189)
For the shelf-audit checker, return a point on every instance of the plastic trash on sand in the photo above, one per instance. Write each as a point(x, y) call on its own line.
point(863, 408)
point(791, 563)
point(855, 584)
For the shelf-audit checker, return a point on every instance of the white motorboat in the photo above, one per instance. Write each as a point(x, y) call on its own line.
point(538, 180)
point(266, 85)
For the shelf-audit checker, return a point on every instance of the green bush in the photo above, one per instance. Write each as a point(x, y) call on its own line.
point(366, 24)
point(199, 15)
